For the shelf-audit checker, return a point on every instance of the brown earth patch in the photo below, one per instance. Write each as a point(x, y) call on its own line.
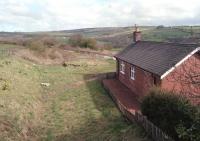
point(50, 56)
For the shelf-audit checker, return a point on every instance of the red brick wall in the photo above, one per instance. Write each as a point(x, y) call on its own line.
point(180, 80)
point(143, 80)
point(177, 81)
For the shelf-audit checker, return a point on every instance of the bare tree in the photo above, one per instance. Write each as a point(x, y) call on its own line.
point(186, 78)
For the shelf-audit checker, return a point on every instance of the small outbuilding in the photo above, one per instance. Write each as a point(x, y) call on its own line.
point(170, 66)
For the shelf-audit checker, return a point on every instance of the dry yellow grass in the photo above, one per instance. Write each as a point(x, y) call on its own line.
point(71, 108)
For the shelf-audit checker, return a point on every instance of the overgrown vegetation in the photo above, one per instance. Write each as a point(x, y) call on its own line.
point(192, 132)
point(80, 41)
point(173, 114)
point(73, 107)
point(40, 44)
point(119, 37)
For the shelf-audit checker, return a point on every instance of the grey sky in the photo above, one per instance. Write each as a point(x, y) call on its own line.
point(41, 15)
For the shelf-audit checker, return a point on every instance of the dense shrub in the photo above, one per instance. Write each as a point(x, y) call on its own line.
point(49, 41)
point(80, 41)
point(89, 43)
point(193, 132)
point(169, 112)
point(75, 40)
point(39, 44)
point(36, 45)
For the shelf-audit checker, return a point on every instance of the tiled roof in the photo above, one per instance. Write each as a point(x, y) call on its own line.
point(155, 57)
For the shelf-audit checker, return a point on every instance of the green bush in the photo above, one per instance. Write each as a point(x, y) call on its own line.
point(80, 41)
point(192, 133)
point(75, 40)
point(36, 45)
point(89, 43)
point(40, 44)
point(168, 111)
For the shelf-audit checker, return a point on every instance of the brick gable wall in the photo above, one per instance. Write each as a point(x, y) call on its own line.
point(182, 79)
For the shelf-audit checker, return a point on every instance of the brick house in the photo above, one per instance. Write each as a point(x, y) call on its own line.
point(170, 66)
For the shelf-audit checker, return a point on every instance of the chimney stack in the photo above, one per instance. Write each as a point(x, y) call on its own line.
point(137, 34)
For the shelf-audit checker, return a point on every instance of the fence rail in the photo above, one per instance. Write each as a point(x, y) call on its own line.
point(135, 116)
point(156, 133)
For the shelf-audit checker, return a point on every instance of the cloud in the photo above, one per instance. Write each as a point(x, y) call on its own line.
point(38, 15)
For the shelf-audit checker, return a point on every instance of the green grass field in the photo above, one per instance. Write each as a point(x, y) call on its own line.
point(73, 108)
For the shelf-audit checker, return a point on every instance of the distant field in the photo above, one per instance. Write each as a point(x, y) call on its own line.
point(74, 107)
point(119, 37)
point(166, 34)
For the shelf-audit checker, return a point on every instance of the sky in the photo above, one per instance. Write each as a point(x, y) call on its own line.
point(51, 15)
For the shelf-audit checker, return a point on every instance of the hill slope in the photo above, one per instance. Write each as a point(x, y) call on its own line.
point(118, 36)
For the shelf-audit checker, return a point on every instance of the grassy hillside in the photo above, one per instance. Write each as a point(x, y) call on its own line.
point(52, 102)
point(73, 107)
point(117, 36)
point(166, 34)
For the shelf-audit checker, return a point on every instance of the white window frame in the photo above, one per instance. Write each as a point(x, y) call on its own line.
point(122, 67)
point(132, 73)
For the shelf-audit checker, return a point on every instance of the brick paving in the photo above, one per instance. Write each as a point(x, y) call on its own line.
point(122, 94)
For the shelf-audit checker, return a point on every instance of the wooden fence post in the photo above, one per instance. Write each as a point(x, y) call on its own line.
point(156, 133)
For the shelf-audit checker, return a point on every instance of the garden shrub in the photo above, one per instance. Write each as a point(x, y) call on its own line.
point(169, 111)
point(192, 133)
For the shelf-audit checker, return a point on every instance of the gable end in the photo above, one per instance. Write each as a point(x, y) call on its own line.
point(180, 62)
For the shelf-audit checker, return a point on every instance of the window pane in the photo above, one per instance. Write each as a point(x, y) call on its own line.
point(132, 73)
point(122, 67)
